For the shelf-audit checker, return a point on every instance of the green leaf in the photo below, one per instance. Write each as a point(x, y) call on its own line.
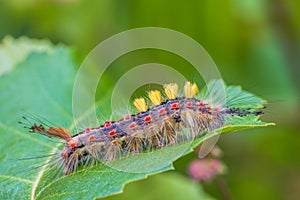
point(42, 84)
point(163, 186)
point(14, 51)
point(237, 123)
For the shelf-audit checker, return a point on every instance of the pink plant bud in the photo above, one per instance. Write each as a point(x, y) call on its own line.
point(205, 169)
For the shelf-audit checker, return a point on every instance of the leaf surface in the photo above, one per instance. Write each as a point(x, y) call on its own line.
point(42, 84)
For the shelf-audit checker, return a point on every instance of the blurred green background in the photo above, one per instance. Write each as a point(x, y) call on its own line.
point(255, 43)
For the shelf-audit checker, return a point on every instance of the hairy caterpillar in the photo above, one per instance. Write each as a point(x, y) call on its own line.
point(151, 128)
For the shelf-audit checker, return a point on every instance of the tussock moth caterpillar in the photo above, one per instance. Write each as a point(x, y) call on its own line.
point(153, 127)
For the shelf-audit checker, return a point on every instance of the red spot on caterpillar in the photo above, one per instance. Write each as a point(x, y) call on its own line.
point(216, 111)
point(160, 144)
point(200, 104)
point(71, 142)
point(189, 104)
point(162, 111)
point(175, 105)
point(92, 137)
point(107, 124)
point(112, 132)
point(87, 130)
point(208, 108)
point(132, 125)
point(147, 119)
point(127, 117)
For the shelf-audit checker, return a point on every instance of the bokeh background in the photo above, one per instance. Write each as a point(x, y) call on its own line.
point(255, 43)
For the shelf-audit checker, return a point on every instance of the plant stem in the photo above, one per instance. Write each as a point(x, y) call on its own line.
point(223, 188)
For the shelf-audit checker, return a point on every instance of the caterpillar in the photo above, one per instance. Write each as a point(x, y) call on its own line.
point(153, 127)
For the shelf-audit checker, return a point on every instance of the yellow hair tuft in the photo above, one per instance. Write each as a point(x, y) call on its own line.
point(155, 97)
point(171, 90)
point(195, 88)
point(140, 104)
point(190, 89)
